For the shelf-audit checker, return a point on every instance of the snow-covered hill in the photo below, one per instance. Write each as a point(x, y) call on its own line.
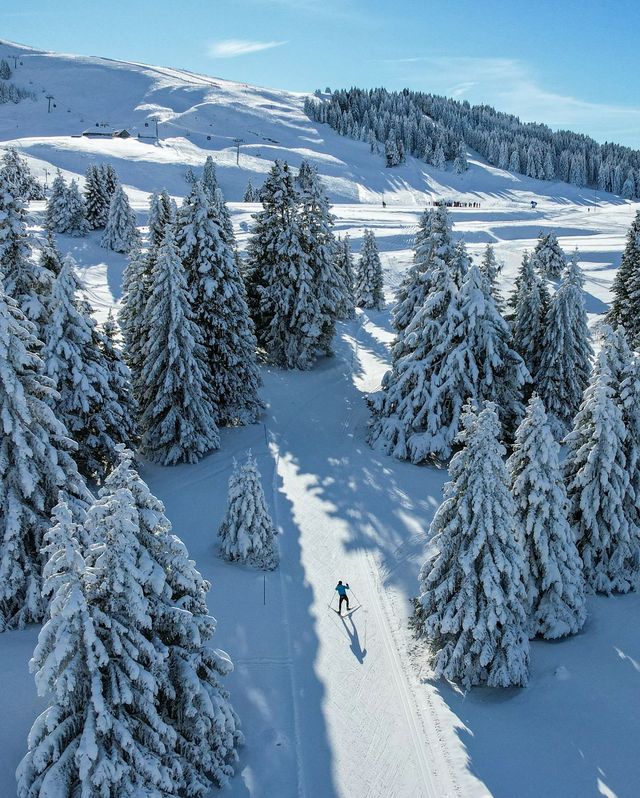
point(335, 707)
point(200, 115)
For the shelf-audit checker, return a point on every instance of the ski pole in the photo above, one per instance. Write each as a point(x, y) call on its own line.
point(355, 597)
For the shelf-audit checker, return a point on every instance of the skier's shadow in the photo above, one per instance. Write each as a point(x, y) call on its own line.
point(358, 652)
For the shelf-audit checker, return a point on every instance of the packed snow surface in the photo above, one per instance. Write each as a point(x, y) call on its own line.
point(338, 706)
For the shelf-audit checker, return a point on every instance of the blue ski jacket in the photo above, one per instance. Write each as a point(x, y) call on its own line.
point(342, 589)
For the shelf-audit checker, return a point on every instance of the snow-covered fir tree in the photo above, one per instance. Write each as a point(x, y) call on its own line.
point(23, 279)
point(280, 281)
point(247, 533)
point(522, 284)
point(109, 179)
point(132, 316)
point(369, 285)
point(630, 402)
point(402, 410)
point(220, 309)
point(460, 163)
point(66, 664)
point(96, 198)
point(99, 661)
point(318, 242)
point(250, 194)
point(598, 485)
point(214, 194)
point(56, 215)
point(344, 264)
point(480, 363)
point(472, 604)
point(177, 419)
point(35, 463)
point(85, 402)
point(625, 308)
point(121, 233)
point(122, 409)
point(529, 322)
point(565, 357)
point(552, 566)
point(160, 215)
point(76, 212)
point(15, 171)
point(548, 257)
point(433, 248)
point(192, 699)
point(491, 268)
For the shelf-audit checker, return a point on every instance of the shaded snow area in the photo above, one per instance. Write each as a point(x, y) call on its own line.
point(340, 706)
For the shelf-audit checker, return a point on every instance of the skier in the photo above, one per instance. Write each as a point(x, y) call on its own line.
point(342, 592)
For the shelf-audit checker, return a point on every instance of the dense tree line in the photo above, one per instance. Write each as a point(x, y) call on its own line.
point(437, 130)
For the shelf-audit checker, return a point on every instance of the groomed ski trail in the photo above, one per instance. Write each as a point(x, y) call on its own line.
point(384, 729)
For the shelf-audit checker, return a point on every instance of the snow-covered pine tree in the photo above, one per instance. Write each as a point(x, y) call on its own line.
point(116, 741)
point(84, 402)
point(214, 194)
point(625, 309)
point(552, 566)
point(109, 180)
point(433, 246)
point(66, 659)
point(35, 463)
point(23, 278)
point(438, 161)
point(76, 212)
point(250, 193)
point(15, 171)
point(160, 215)
point(132, 316)
point(318, 242)
point(479, 363)
point(403, 408)
point(630, 402)
point(472, 606)
point(177, 420)
point(369, 286)
point(460, 163)
point(491, 268)
point(548, 257)
point(247, 533)
point(121, 233)
point(121, 410)
point(56, 215)
point(280, 281)
point(210, 179)
point(96, 199)
point(192, 700)
point(529, 322)
point(220, 309)
point(566, 352)
point(597, 485)
point(522, 284)
point(344, 264)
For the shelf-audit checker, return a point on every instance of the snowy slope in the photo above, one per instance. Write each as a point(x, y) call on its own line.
point(201, 115)
point(330, 706)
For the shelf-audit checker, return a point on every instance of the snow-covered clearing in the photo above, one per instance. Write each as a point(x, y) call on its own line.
point(342, 706)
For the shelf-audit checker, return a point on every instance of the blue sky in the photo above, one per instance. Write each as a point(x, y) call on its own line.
point(569, 64)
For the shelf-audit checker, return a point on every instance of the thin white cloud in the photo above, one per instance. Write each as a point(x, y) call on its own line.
point(231, 48)
point(510, 85)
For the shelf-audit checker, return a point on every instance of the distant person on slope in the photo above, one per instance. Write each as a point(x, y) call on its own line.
point(342, 592)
